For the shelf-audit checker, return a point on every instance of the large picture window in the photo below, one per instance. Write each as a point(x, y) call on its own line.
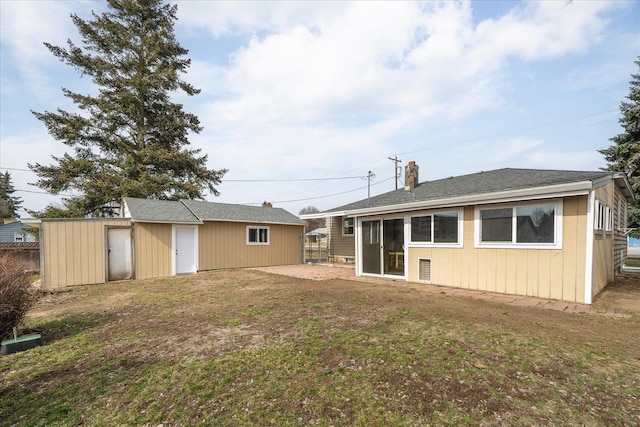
point(257, 235)
point(534, 224)
point(435, 228)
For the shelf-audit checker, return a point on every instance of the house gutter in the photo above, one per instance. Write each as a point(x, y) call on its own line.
point(165, 222)
point(561, 190)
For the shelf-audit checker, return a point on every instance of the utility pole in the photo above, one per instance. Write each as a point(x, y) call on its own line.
point(396, 168)
point(370, 176)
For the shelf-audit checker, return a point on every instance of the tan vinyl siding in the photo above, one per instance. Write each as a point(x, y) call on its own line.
point(545, 273)
point(224, 245)
point(152, 250)
point(73, 251)
point(340, 247)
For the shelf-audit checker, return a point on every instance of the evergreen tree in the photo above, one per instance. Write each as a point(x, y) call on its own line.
point(624, 154)
point(9, 204)
point(129, 139)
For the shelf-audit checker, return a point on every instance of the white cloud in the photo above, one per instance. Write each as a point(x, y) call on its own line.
point(25, 25)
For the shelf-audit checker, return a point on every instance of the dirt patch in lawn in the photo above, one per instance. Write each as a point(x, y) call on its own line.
point(623, 294)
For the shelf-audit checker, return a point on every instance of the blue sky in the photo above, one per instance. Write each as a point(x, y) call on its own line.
point(295, 94)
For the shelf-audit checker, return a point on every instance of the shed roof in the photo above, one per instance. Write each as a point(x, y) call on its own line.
point(149, 210)
point(195, 212)
point(210, 211)
point(482, 183)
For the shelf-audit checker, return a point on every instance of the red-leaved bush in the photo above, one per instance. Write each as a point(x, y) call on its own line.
point(17, 295)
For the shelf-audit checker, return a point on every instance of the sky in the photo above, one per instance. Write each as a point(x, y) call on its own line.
point(301, 100)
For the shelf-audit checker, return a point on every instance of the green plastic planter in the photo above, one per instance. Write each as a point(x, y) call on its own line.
point(25, 342)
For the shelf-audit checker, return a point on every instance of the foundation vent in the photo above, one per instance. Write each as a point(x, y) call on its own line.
point(424, 272)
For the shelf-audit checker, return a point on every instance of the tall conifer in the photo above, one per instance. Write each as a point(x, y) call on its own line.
point(624, 154)
point(129, 139)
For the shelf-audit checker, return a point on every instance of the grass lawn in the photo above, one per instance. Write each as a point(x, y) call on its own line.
point(632, 262)
point(245, 347)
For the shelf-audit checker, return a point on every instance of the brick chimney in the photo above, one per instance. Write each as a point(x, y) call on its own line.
point(410, 176)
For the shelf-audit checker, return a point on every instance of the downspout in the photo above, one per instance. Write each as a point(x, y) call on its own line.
point(357, 223)
point(588, 265)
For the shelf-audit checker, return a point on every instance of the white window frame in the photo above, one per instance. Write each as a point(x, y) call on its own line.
point(352, 226)
point(609, 219)
point(432, 244)
point(19, 237)
point(557, 222)
point(599, 217)
point(258, 228)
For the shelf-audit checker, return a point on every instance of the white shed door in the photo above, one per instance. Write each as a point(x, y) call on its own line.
point(119, 254)
point(185, 251)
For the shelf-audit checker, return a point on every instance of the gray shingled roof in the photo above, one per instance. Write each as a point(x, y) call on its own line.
point(474, 184)
point(210, 211)
point(148, 210)
point(194, 212)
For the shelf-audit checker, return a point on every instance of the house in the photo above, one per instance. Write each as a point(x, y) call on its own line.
point(157, 238)
point(543, 233)
point(15, 230)
point(17, 240)
point(319, 235)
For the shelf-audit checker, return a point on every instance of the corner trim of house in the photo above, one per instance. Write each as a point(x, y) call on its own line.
point(588, 265)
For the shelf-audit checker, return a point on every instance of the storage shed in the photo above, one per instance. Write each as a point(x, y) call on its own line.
point(156, 238)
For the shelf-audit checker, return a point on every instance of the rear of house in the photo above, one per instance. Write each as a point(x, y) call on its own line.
point(548, 234)
point(163, 238)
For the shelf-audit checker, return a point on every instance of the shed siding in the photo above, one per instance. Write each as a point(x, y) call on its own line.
point(152, 250)
point(545, 273)
point(73, 251)
point(224, 245)
point(341, 247)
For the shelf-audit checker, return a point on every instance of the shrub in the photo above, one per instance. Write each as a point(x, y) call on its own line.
point(17, 295)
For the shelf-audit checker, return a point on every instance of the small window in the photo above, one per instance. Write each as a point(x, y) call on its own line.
point(535, 224)
point(609, 219)
point(439, 228)
point(518, 225)
point(445, 228)
point(18, 237)
point(348, 227)
point(421, 229)
point(496, 225)
point(599, 216)
point(257, 235)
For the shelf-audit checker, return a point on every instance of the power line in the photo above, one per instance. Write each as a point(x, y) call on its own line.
point(241, 180)
point(290, 180)
point(321, 197)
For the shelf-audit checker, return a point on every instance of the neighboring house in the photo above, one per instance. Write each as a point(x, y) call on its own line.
point(17, 241)
point(319, 235)
point(158, 238)
point(543, 233)
point(15, 231)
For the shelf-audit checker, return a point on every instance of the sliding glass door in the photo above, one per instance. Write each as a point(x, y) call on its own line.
point(383, 247)
point(371, 247)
